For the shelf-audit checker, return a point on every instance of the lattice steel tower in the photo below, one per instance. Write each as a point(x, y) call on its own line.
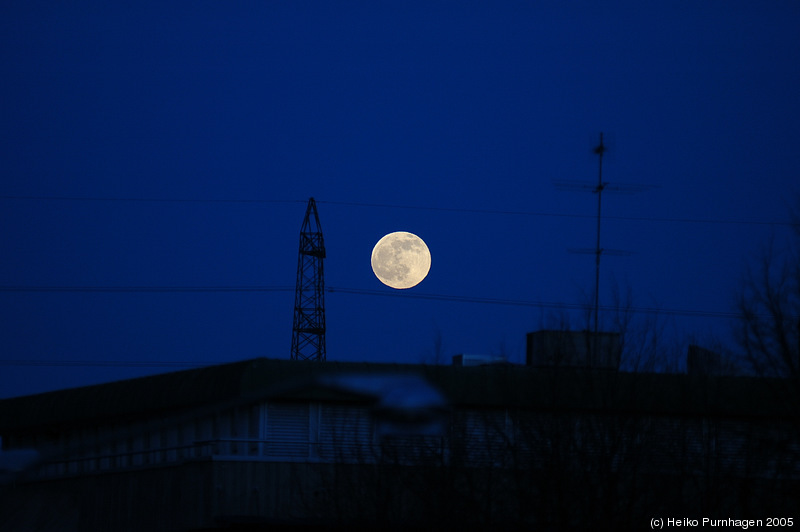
point(308, 331)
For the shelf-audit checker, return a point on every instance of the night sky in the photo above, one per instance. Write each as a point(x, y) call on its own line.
point(157, 159)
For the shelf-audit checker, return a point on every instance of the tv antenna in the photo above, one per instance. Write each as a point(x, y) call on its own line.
point(308, 329)
point(599, 251)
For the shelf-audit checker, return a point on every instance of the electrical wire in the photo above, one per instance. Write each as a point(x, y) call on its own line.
point(330, 290)
point(146, 288)
point(539, 304)
point(368, 292)
point(562, 215)
point(144, 200)
point(343, 290)
point(717, 221)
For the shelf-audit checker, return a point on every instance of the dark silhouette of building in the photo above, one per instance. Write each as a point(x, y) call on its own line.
point(702, 361)
point(264, 443)
point(577, 349)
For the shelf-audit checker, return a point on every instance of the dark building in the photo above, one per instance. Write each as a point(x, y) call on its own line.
point(267, 443)
point(470, 359)
point(576, 349)
point(702, 361)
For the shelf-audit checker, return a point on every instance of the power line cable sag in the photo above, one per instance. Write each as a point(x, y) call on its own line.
point(561, 215)
point(366, 292)
point(146, 200)
point(528, 303)
point(410, 207)
point(155, 289)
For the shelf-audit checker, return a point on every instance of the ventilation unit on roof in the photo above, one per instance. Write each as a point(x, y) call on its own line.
point(465, 359)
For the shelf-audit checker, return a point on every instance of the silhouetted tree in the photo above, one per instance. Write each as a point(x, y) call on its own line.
point(436, 355)
point(644, 340)
point(768, 333)
point(769, 307)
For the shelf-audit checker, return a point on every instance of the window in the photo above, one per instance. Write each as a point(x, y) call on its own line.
point(253, 429)
point(345, 433)
point(481, 437)
point(287, 430)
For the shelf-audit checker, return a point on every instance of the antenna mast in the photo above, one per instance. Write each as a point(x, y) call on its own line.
point(599, 150)
point(598, 251)
point(308, 329)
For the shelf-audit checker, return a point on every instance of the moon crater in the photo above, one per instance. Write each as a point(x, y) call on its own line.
point(401, 260)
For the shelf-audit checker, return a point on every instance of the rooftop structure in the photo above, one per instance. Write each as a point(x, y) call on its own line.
point(577, 349)
point(302, 443)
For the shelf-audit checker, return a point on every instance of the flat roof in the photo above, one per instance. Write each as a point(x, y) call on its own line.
point(490, 386)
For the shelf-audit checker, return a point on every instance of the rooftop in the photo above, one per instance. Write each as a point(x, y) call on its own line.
point(492, 386)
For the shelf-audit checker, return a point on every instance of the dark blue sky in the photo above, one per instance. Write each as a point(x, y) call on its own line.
point(175, 145)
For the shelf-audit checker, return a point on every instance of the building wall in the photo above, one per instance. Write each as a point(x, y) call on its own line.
point(329, 462)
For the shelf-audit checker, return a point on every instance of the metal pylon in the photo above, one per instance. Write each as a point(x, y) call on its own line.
point(308, 330)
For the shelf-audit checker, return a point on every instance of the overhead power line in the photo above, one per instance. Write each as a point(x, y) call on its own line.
point(527, 303)
point(560, 215)
point(145, 288)
point(145, 200)
point(368, 292)
point(657, 219)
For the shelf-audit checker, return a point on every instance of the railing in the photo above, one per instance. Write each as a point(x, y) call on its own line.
point(406, 451)
point(219, 449)
point(95, 462)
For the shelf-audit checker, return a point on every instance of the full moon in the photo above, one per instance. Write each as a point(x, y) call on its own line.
point(401, 260)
